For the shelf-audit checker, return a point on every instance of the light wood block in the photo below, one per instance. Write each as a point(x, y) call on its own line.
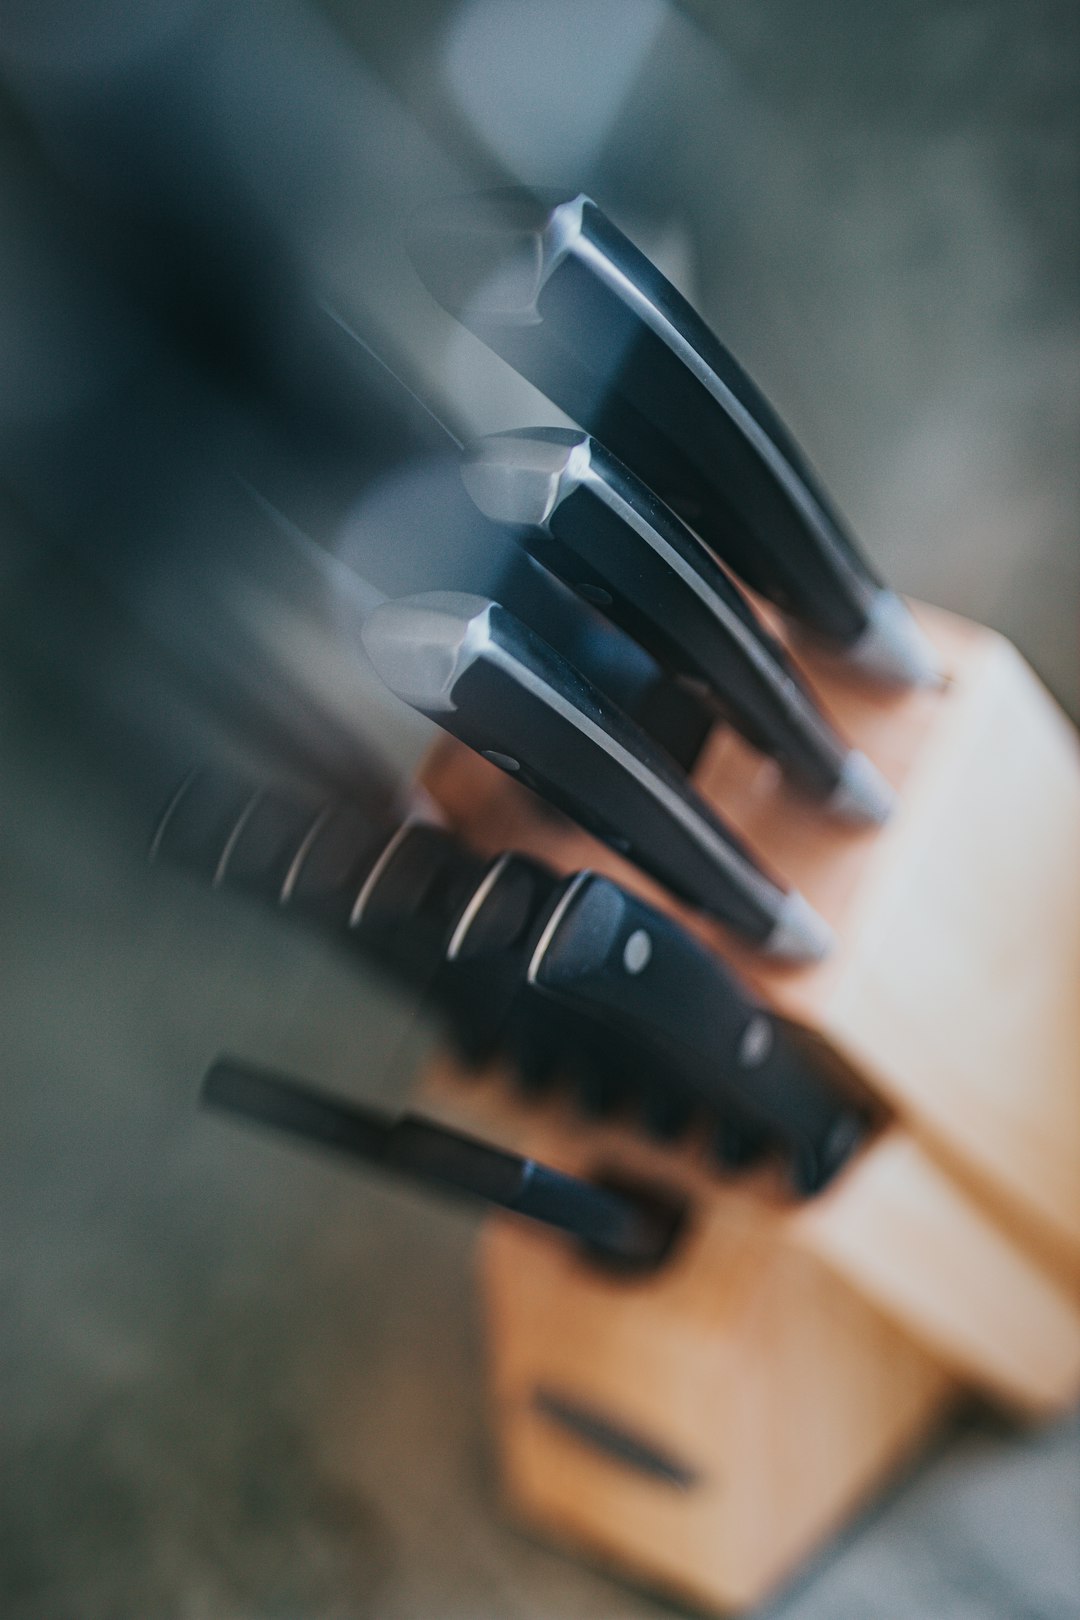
point(789, 1355)
point(913, 1241)
point(790, 1399)
point(771, 1396)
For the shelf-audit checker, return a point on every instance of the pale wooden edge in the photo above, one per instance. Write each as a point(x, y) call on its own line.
point(905, 1236)
point(808, 1400)
point(1021, 1150)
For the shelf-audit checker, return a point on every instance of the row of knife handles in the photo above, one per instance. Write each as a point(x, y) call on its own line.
point(947, 1012)
point(399, 889)
point(941, 1258)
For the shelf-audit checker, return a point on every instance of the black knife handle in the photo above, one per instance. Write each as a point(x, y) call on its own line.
point(417, 902)
point(433, 914)
point(614, 1225)
point(587, 518)
point(471, 666)
point(605, 953)
point(677, 718)
point(556, 289)
point(289, 846)
point(394, 887)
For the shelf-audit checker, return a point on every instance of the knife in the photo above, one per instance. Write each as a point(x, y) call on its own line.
point(418, 904)
point(567, 299)
point(608, 956)
point(615, 1226)
point(487, 679)
point(393, 886)
point(395, 481)
point(646, 1011)
point(590, 521)
point(403, 892)
point(501, 943)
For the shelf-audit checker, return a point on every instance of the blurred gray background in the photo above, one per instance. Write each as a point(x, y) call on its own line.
point(240, 1384)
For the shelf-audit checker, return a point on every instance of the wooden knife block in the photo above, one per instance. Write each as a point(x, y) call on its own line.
point(707, 1425)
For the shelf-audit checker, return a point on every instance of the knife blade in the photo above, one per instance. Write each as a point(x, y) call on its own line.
point(627, 1230)
point(557, 290)
point(588, 519)
point(607, 955)
point(488, 680)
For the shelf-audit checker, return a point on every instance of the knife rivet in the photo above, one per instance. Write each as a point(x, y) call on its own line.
point(505, 762)
point(756, 1041)
point(595, 594)
point(637, 951)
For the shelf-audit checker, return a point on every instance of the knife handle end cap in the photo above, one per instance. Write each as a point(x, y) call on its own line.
point(892, 648)
point(799, 934)
point(862, 796)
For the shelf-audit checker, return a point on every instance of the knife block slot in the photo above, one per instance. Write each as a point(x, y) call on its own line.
point(669, 1205)
point(788, 1356)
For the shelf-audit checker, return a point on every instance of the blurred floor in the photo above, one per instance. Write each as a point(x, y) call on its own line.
point(240, 1385)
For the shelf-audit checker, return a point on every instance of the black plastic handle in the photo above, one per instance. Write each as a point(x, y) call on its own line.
point(607, 954)
point(608, 1222)
point(588, 519)
point(486, 678)
point(556, 289)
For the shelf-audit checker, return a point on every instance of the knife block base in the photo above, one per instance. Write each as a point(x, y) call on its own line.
point(732, 1431)
point(707, 1426)
point(703, 1427)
